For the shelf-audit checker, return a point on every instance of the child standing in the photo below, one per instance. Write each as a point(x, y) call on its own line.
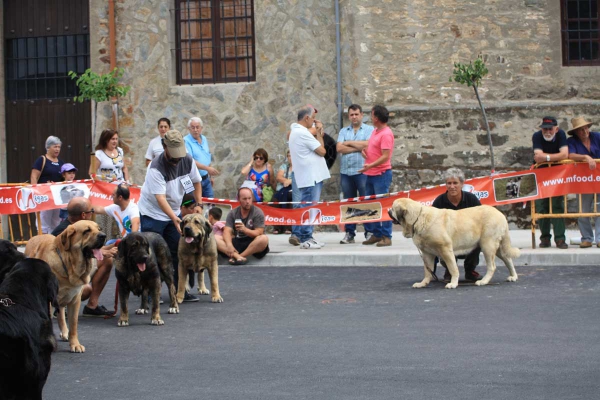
point(67, 171)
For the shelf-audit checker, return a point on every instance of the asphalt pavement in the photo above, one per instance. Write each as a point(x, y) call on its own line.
point(312, 332)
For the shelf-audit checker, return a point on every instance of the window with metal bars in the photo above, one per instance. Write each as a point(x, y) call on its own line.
point(37, 68)
point(215, 41)
point(580, 32)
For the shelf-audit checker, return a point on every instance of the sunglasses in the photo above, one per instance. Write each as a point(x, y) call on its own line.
point(258, 158)
point(92, 211)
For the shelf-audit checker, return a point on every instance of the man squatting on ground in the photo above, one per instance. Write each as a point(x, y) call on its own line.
point(352, 140)
point(550, 145)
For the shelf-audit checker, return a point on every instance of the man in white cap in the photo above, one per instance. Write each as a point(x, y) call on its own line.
point(584, 146)
point(170, 176)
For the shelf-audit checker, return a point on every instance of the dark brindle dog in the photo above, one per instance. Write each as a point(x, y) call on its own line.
point(26, 335)
point(9, 256)
point(142, 263)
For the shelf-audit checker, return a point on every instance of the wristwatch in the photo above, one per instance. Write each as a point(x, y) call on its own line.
point(548, 157)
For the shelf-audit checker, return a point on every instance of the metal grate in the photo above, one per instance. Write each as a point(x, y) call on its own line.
point(37, 68)
point(580, 32)
point(215, 41)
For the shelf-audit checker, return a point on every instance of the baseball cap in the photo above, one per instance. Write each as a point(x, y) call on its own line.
point(175, 144)
point(67, 167)
point(548, 122)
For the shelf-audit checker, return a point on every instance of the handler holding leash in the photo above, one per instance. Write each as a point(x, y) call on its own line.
point(456, 199)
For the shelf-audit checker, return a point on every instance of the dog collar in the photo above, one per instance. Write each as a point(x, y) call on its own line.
point(63, 263)
point(6, 302)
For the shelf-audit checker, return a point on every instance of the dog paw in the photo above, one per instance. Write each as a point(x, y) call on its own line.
point(77, 348)
point(451, 285)
point(173, 310)
point(157, 322)
point(142, 311)
point(419, 285)
point(480, 283)
point(64, 336)
point(203, 291)
point(217, 299)
point(123, 323)
point(180, 299)
point(512, 278)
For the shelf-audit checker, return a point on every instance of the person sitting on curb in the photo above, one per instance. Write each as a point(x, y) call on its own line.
point(244, 232)
point(80, 208)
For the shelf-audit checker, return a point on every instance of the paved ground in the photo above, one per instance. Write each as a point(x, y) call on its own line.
point(350, 333)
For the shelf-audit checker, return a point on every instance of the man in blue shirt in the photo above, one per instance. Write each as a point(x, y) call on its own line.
point(197, 146)
point(584, 146)
point(550, 145)
point(351, 141)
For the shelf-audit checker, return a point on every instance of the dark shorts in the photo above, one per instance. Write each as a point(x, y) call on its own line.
point(241, 244)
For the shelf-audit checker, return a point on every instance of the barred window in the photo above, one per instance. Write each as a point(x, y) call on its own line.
point(215, 41)
point(580, 32)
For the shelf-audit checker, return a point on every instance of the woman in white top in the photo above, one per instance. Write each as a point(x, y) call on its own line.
point(109, 163)
point(155, 147)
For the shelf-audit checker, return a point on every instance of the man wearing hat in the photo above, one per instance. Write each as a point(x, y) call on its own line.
point(584, 146)
point(170, 176)
point(550, 145)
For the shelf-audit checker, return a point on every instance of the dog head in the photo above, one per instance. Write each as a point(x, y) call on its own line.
point(35, 285)
point(135, 250)
point(85, 236)
point(405, 212)
point(195, 229)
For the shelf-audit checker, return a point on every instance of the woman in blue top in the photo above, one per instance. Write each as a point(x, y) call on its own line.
point(258, 173)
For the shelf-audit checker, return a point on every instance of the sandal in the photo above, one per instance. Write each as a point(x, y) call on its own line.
point(276, 232)
point(241, 261)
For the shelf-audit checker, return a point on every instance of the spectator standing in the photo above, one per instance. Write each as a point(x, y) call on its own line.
point(550, 145)
point(259, 172)
point(284, 180)
point(155, 146)
point(169, 177)
point(352, 140)
point(378, 168)
point(310, 169)
point(46, 169)
point(457, 199)
point(196, 144)
point(584, 146)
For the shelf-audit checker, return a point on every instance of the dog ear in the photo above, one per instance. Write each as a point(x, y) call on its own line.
point(182, 224)
point(66, 236)
point(207, 228)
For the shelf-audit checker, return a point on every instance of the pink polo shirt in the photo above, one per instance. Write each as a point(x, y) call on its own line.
point(381, 139)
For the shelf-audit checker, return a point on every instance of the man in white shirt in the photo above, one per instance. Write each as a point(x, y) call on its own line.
point(124, 211)
point(310, 168)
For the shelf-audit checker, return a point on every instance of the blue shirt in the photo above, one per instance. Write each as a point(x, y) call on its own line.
point(352, 162)
point(577, 147)
point(199, 151)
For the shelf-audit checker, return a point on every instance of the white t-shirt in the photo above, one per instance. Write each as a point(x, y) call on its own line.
point(155, 148)
point(309, 167)
point(125, 217)
point(110, 167)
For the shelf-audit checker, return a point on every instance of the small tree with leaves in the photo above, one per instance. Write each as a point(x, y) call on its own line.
point(98, 88)
point(471, 75)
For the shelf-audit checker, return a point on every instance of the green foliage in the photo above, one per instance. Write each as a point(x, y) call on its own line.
point(470, 74)
point(99, 87)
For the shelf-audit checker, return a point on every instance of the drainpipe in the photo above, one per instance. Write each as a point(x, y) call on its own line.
point(338, 62)
point(113, 58)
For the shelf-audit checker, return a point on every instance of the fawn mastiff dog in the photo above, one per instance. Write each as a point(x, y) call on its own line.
point(69, 256)
point(446, 233)
point(197, 252)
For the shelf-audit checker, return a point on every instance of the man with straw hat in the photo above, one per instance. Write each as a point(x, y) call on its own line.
point(584, 146)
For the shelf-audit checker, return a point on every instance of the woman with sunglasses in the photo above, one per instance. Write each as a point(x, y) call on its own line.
point(259, 172)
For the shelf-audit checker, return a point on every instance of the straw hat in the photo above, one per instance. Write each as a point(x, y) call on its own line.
point(577, 123)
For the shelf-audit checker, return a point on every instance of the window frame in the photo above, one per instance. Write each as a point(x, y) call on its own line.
point(217, 31)
point(566, 41)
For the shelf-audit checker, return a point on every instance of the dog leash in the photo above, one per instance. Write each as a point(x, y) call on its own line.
point(62, 261)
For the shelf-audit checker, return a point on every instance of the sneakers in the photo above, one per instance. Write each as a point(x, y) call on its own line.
point(372, 240)
point(348, 238)
point(190, 298)
point(310, 244)
point(585, 244)
point(545, 242)
point(472, 276)
point(561, 244)
point(385, 241)
point(99, 311)
point(293, 240)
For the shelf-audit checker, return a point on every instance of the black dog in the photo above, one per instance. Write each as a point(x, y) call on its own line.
point(26, 334)
point(143, 261)
point(9, 256)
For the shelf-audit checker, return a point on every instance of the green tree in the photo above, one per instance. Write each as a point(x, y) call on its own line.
point(98, 88)
point(471, 75)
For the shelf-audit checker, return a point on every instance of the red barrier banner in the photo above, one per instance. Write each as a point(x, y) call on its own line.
point(494, 190)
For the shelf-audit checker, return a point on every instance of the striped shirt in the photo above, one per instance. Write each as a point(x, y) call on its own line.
point(352, 162)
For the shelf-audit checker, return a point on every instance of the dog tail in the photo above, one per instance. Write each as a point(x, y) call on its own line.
point(506, 247)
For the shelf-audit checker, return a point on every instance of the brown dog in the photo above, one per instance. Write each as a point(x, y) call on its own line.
point(198, 251)
point(70, 257)
point(446, 233)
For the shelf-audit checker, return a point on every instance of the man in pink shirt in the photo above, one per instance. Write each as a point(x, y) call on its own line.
point(378, 168)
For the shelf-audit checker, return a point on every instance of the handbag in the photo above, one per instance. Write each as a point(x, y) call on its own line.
point(282, 194)
point(267, 193)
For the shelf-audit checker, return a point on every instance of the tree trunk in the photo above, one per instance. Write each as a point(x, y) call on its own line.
point(487, 127)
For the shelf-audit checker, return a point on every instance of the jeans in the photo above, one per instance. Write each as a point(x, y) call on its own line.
point(169, 232)
point(354, 186)
point(311, 194)
point(295, 198)
point(542, 206)
point(207, 189)
point(585, 225)
point(379, 184)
